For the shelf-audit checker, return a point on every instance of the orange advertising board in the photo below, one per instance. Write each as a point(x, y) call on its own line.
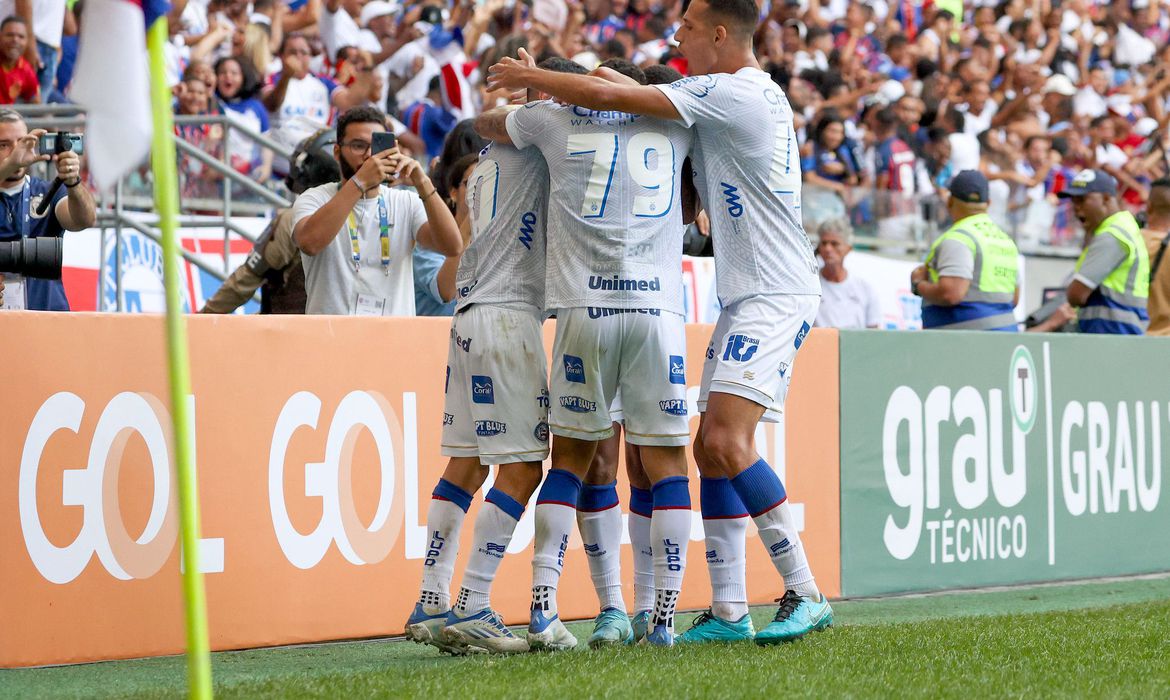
point(317, 446)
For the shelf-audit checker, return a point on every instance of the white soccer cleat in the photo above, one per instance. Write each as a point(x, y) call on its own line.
point(426, 628)
point(549, 633)
point(484, 631)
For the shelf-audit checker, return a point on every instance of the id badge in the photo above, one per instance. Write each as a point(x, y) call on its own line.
point(14, 293)
point(369, 305)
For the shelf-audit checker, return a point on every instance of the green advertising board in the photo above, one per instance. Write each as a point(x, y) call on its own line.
point(976, 459)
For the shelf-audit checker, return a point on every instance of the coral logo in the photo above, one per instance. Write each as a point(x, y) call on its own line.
point(482, 390)
point(678, 372)
point(574, 369)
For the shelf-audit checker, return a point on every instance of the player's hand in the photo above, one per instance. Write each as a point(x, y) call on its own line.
point(509, 74)
point(68, 167)
point(703, 223)
point(24, 153)
point(378, 168)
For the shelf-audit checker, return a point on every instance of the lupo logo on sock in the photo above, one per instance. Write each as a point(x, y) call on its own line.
point(673, 558)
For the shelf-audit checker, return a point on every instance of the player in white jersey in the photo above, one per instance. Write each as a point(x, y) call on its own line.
point(615, 282)
point(748, 175)
point(496, 406)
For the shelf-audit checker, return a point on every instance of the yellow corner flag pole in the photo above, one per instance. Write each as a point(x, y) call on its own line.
point(166, 197)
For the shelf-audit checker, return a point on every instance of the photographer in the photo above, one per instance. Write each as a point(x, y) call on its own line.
point(72, 208)
point(356, 236)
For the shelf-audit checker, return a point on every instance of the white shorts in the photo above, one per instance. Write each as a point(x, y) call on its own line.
point(753, 349)
point(496, 404)
point(642, 353)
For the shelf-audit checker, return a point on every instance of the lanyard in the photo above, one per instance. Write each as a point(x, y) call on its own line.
point(22, 214)
point(383, 236)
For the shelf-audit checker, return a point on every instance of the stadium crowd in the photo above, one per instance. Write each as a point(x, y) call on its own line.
point(891, 98)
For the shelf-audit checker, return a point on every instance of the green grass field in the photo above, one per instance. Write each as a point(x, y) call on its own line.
point(1108, 639)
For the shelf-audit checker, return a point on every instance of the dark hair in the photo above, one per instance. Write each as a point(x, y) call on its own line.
point(13, 18)
point(925, 68)
point(829, 118)
point(896, 40)
point(739, 16)
point(816, 33)
point(560, 64)
point(250, 84)
point(459, 142)
point(956, 120)
point(455, 173)
point(1034, 138)
point(613, 48)
point(626, 68)
point(937, 134)
point(1060, 145)
point(1098, 121)
point(358, 115)
point(1160, 182)
point(887, 118)
point(289, 37)
point(943, 14)
point(659, 74)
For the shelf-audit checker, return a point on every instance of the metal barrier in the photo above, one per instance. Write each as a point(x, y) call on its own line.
point(228, 194)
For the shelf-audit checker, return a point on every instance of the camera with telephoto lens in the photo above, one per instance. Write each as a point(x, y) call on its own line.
point(32, 257)
point(60, 142)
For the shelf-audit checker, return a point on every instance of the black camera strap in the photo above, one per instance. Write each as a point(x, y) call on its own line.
point(1158, 258)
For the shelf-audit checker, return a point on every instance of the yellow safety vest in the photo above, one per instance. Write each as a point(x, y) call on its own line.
point(988, 302)
point(1118, 304)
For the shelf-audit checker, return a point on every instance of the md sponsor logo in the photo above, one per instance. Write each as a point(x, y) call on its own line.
point(490, 428)
point(678, 372)
point(578, 404)
point(674, 407)
point(620, 284)
point(957, 463)
point(731, 194)
point(527, 228)
point(574, 369)
point(740, 347)
point(482, 390)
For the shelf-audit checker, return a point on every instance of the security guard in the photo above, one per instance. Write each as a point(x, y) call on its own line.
point(275, 262)
point(970, 278)
point(1111, 285)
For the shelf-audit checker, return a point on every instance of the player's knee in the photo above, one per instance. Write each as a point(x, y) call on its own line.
point(723, 453)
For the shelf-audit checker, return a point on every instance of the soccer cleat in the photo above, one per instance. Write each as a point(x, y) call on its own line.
point(425, 628)
point(641, 623)
point(707, 628)
point(549, 633)
point(483, 630)
point(611, 627)
point(660, 636)
point(796, 617)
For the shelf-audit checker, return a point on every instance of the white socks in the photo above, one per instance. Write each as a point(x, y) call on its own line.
point(725, 523)
point(670, 531)
point(641, 509)
point(448, 508)
point(600, 521)
point(556, 510)
point(493, 531)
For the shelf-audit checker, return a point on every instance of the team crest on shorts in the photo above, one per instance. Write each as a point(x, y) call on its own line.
point(541, 431)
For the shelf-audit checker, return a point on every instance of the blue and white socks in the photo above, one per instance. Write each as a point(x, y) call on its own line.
point(641, 510)
point(556, 511)
point(449, 505)
point(670, 532)
point(493, 531)
point(762, 493)
point(725, 523)
point(600, 521)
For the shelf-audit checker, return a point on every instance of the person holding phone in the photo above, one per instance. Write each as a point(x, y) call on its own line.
point(356, 236)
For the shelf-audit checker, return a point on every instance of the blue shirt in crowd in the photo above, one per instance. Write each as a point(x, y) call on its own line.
point(43, 295)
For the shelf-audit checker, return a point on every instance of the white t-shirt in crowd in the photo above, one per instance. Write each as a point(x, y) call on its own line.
point(852, 303)
point(333, 286)
point(1089, 103)
point(48, 19)
point(339, 29)
point(309, 100)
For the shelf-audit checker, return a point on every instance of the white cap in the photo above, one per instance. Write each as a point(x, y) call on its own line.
point(891, 91)
point(1146, 126)
point(1119, 104)
point(378, 8)
point(1061, 85)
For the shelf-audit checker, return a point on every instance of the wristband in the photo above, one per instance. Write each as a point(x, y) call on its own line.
point(75, 184)
point(428, 194)
point(358, 185)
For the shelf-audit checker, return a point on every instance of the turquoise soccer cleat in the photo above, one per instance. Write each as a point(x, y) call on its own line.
point(641, 625)
point(707, 629)
point(660, 636)
point(796, 617)
point(611, 627)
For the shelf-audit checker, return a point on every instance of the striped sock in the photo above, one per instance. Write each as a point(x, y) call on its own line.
point(766, 501)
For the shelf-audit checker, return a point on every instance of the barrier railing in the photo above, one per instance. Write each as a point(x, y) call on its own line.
point(213, 188)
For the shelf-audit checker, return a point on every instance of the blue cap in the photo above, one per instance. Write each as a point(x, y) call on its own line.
point(1087, 181)
point(970, 186)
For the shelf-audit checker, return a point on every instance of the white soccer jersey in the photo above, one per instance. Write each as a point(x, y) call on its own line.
point(615, 213)
point(507, 195)
point(747, 170)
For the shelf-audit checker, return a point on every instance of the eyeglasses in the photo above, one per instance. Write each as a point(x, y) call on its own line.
point(357, 146)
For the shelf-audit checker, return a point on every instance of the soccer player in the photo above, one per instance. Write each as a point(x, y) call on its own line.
point(615, 281)
point(496, 406)
point(748, 173)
